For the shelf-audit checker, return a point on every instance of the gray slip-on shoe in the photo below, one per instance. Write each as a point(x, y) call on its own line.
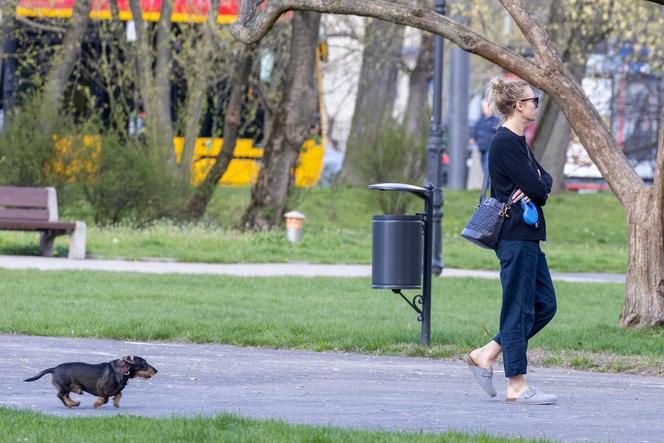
point(484, 377)
point(533, 396)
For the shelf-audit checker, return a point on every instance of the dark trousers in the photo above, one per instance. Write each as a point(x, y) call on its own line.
point(529, 300)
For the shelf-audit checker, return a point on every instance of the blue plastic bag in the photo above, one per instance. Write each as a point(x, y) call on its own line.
point(530, 215)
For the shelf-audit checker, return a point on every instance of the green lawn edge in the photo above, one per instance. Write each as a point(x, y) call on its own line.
point(21, 425)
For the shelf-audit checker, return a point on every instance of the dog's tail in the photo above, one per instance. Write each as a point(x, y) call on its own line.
point(40, 375)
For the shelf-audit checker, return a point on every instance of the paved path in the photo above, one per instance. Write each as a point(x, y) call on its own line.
point(345, 390)
point(253, 269)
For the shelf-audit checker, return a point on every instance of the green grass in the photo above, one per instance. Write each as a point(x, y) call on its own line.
point(18, 426)
point(321, 314)
point(586, 233)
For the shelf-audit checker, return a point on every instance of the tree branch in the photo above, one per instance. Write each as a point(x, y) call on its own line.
point(252, 26)
point(351, 34)
point(547, 72)
point(532, 30)
point(211, 27)
point(248, 10)
point(43, 27)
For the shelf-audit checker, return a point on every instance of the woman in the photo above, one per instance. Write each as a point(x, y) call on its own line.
point(529, 300)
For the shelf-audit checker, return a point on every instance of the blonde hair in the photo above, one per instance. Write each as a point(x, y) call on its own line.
point(502, 96)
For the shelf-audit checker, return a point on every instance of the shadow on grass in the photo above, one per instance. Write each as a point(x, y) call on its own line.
point(32, 250)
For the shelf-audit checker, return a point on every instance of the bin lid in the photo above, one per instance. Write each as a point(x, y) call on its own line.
point(396, 187)
point(424, 193)
point(294, 214)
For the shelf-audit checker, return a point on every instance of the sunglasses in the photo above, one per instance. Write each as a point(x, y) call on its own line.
point(534, 99)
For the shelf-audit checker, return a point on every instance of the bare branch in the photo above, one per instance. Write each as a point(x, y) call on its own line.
point(115, 10)
point(351, 34)
point(40, 26)
point(254, 28)
point(211, 28)
point(531, 29)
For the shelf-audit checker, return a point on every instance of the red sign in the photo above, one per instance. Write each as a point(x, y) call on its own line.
point(183, 10)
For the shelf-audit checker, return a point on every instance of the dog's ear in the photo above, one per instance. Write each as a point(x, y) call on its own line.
point(128, 359)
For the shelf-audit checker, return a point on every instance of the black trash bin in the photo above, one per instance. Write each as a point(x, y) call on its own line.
point(397, 244)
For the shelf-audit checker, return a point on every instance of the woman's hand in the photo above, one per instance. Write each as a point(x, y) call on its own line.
point(518, 195)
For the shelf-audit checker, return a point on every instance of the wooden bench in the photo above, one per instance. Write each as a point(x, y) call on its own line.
point(36, 209)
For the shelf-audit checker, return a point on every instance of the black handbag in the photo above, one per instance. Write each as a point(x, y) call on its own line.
point(484, 226)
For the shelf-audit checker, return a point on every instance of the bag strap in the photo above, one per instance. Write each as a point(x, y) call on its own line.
point(529, 154)
point(486, 183)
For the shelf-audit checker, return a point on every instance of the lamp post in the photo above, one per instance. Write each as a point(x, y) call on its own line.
point(435, 146)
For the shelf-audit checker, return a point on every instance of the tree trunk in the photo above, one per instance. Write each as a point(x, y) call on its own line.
point(115, 11)
point(376, 91)
point(551, 141)
point(158, 125)
point(57, 78)
point(5, 30)
point(111, 69)
point(288, 126)
point(554, 133)
point(644, 288)
point(145, 80)
point(239, 83)
point(6, 10)
point(162, 80)
point(418, 90)
point(197, 87)
point(8, 92)
point(644, 293)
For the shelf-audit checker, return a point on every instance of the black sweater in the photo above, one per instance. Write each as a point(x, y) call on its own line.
point(512, 166)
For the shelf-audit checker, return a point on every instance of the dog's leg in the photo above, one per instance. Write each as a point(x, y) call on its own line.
point(68, 402)
point(116, 399)
point(73, 403)
point(100, 402)
point(62, 395)
point(76, 389)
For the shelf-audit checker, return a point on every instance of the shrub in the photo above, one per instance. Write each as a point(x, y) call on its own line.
point(121, 177)
point(132, 184)
point(397, 157)
point(26, 144)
